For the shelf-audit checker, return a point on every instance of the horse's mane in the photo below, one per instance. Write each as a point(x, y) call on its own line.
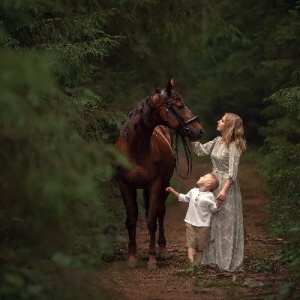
point(139, 115)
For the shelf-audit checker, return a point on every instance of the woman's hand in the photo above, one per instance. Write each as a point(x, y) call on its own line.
point(221, 196)
point(223, 192)
point(191, 144)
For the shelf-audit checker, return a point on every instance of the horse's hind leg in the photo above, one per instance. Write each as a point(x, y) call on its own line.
point(146, 202)
point(129, 199)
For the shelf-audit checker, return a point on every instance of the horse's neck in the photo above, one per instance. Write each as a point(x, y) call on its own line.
point(164, 131)
point(140, 140)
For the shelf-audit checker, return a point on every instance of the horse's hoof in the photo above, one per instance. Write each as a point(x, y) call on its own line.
point(151, 267)
point(132, 262)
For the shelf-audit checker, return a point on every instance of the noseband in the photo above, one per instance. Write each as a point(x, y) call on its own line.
point(182, 123)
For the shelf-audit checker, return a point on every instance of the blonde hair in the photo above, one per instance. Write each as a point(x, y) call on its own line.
point(214, 182)
point(234, 131)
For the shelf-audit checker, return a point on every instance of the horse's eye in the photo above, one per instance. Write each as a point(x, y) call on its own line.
point(179, 104)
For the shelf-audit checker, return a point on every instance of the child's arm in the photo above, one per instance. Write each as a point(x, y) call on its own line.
point(172, 191)
point(181, 197)
point(214, 206)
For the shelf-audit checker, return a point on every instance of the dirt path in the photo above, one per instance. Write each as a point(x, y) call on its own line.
point(262, 273)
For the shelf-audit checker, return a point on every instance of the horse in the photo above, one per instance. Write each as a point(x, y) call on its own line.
point(147, 146)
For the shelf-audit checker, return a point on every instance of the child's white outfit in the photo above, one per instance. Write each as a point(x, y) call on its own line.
point(201, 207)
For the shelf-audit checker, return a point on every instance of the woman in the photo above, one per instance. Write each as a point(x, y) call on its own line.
point(226, 242)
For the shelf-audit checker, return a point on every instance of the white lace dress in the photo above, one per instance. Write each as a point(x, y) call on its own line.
point(226, 242)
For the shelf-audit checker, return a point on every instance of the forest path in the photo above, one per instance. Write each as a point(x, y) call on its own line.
point(262, 273)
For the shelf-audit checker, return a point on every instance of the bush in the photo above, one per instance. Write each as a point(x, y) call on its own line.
point(281, 170)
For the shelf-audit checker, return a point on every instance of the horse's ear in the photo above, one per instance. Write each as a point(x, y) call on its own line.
point(170, 86)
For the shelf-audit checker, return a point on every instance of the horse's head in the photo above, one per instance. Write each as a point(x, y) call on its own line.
point(175, 114)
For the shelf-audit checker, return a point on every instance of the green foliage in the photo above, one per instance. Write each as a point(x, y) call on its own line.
point(287, 290)
point(55, 167)
point(195, 269)
point(52, 182)
point(67, 65)
point(238, 74)
point(162, 39)
point(225, 56)
point(281, 169)
point(264, 267)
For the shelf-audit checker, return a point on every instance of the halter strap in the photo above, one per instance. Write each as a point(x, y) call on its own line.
point(191, 120)
point(181, 122)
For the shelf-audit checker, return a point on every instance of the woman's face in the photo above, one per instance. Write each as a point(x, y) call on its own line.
point(221, 124)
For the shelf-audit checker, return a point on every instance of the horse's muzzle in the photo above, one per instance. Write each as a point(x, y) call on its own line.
point(192, 135)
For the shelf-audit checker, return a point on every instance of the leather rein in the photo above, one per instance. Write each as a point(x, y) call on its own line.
point(182, 124)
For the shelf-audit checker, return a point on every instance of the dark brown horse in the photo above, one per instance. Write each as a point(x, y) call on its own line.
point(150, 153)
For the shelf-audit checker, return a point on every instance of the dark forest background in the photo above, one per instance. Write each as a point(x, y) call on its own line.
point(69, 73)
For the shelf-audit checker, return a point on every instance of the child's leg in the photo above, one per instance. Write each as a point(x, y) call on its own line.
point(190, 241)
point(191, 254)
point(202, 239)
point(199, 255)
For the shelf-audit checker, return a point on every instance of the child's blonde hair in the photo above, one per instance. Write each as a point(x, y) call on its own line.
point(234, 131)
point(214, 182)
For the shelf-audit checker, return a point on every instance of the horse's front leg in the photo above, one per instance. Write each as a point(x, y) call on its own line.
point(152, 226)
point(129, 199)
point(161, 211)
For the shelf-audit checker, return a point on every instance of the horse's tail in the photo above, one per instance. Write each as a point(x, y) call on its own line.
point(146, 202)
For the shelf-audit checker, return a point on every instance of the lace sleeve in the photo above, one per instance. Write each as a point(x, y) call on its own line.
point(234, 160)
point(204, 149)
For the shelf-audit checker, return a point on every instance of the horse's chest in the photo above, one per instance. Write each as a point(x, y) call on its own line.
point(142, 175)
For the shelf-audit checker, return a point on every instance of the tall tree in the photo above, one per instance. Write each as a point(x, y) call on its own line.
point(280, 167)
point(226, 56)
point(161, 39)
point(54, 161)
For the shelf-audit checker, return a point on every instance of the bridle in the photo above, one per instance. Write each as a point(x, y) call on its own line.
point(169, 107)
point(182, 124)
